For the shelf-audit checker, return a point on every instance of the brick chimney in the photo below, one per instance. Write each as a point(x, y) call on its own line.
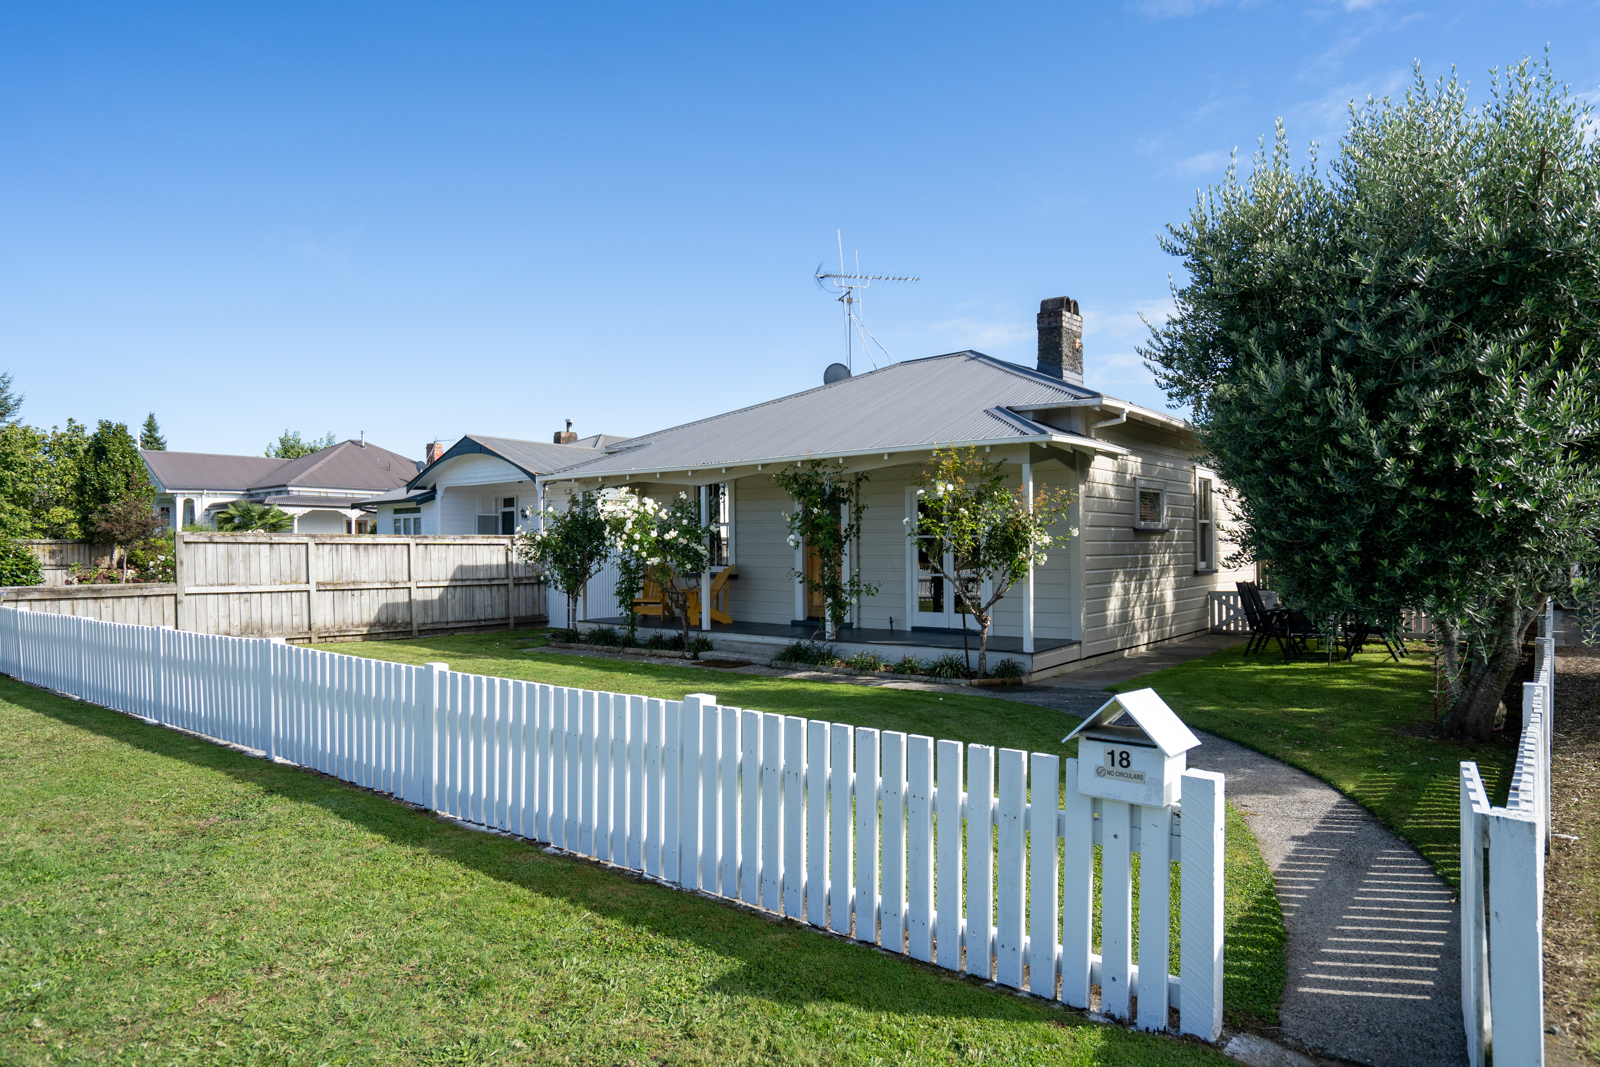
point(433, 450)
point(566, 437)
point(1061, 339)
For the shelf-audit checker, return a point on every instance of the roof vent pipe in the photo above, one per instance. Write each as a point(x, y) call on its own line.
point(363, 439)
point(1061, 339)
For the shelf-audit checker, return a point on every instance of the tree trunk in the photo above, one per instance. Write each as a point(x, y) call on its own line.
point(1489, 671)
point(983, 645)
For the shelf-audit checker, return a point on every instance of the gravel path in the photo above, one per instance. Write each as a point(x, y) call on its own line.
point(1374, 941)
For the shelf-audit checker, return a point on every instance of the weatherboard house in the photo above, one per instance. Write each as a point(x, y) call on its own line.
point(323, 492)
point(1151, 515)
point(480, 484)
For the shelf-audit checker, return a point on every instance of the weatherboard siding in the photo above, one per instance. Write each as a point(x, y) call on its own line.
point(1140, 587)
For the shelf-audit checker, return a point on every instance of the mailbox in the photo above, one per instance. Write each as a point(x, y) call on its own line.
point(1134, 749)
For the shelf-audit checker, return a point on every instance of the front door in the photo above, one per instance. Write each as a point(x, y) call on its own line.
point(816, 603)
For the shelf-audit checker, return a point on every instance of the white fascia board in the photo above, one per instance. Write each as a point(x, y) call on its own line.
point(897, 454)
point(1133, 411)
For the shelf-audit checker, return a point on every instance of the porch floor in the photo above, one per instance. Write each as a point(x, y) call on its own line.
point(850, 635)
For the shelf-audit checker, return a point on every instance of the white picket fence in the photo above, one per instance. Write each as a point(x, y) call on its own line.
point(825, 823)
point(1502, 886)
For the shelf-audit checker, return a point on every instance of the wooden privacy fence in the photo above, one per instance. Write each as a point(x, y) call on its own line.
point(1502, 885)
point(318, 587)
point(829, 824)
point(57, 558)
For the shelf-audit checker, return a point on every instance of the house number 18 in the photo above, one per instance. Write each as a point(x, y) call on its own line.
point(1115, 758)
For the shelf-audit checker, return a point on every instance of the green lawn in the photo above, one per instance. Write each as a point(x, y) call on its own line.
point(1364, 727)
point(167, 900)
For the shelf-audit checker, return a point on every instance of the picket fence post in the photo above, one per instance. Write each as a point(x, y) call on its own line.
point(433, 682)
point(1200, 920)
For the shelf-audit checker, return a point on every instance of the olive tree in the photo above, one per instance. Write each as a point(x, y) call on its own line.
point(1394, 364)
point(975, 531)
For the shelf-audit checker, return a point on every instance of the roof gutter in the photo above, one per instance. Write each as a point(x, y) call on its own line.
point(1058, 440)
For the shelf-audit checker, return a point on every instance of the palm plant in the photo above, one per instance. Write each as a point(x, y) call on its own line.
point(243, 515)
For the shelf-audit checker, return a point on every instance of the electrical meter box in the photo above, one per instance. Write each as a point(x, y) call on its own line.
point(1134, 749)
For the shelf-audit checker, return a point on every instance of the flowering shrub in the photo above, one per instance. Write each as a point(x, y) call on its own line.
point(666, 542)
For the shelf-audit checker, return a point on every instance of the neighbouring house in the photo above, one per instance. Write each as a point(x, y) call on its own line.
point(322, 491)
point(1152, 516)
point(481, 484)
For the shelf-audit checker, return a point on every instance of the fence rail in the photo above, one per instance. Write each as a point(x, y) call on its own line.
point(832, 825)
point(1225, 611)
point(1502, 885)
point(318, 587)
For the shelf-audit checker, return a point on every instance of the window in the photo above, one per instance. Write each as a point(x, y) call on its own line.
point(488, 524)
point(407, 520)
point(1205, 529)
point(1151, 513)
point(719, 516)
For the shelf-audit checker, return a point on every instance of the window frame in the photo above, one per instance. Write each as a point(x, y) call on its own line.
point(1205, 529)
point(1142, 486)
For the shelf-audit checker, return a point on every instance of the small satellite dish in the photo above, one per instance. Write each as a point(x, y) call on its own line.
point(836, 372)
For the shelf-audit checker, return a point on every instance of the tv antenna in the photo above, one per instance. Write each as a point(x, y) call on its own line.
point(848, 289)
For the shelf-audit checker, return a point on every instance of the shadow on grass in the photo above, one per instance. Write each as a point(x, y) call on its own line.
point(780, 960)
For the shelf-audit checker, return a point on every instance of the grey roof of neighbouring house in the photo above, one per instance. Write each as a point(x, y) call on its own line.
point(402, 495)
point(533, 458)
point(346, 465)
point(958, 398)
point(207, 470)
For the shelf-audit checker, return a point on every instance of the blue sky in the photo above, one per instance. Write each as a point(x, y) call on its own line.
point(424, 220)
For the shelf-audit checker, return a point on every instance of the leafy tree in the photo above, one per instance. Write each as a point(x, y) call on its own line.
point(1395, 365)
point(150, 435)
point(569, 547)
point(10, 402)
point(109, 472)
point(126, 524)
point(243, 515)
point(290, 446)
point(989, 532)
point(18, 564)
point(827, 520)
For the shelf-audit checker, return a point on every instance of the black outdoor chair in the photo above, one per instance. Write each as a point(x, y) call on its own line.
point(1295, 632)
point(1256, 614)
point(1357, 635)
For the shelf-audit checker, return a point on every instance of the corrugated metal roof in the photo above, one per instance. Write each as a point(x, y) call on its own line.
point(946, 399)
point(346, 465)
point(207, 470)
point(533, 458)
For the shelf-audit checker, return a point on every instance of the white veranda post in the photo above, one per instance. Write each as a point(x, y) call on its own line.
point(1027, 582)
point(705, 575)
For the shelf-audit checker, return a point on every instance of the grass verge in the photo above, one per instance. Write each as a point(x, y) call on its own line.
point(1363, 727)
point(164, 899)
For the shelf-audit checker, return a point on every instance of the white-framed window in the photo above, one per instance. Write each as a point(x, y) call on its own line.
point(1150, 505)
point(407, 520)
point(719, 516)
point(1205, 523)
